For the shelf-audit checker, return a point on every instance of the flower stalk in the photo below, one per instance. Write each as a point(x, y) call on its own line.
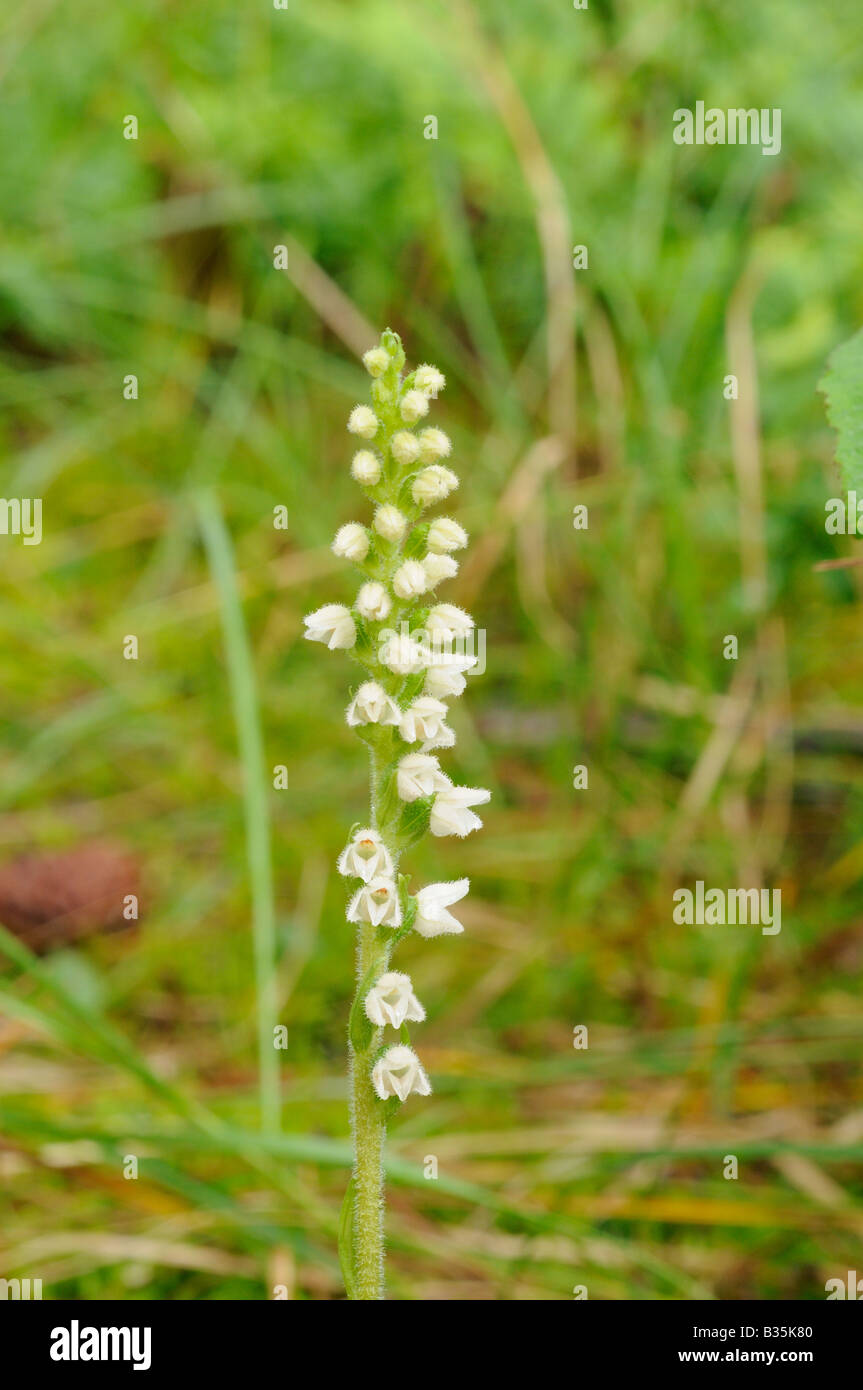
point(407, 645)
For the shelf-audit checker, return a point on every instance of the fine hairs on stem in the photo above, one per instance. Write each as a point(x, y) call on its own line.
point(412, 651)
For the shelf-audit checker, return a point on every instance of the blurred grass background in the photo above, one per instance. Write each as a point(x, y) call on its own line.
point(600, 386)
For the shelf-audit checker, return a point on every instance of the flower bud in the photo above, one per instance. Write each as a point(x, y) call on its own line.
point(366, 468)
point(352, 542)
point(445, 535)
point(410, 580)
point(413, 406)
point(373, 602)
point(376, 361)
point(434, 446)
point(437, 568)
point(363, 421)
point(429, 380)
point(405, 447)
point(389, 523)
point(433, 485)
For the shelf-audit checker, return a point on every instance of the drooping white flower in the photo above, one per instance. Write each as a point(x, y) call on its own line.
point(366, 468)
point(372, 705)
point(434, 446)
point(366, 857)
point(402, 655)
point(449, 620)
point(376, 361)
point(429, 380)
point(373, 602)
point(376, 902)
point(433, 484)
point(332, 624)
point(446, 535)
point(423, 722)
point(432, 918)
point(411, 579)
point(398, 1072)
point(392, 1001)
point(438, 568)
point(352, 542)
point(405, 447)
point(413, 406)
point(363, 421)
point(445, 676)
point(390, 523)
point(450, 814)
point(419, 774)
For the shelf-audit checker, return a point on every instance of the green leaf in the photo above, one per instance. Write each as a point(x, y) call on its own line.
point(415, 821)
point(842, 385)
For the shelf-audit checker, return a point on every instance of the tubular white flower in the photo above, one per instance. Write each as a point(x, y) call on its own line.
point(366, 857)
point(446, 535)
point(372, 705)
point(398, 1072)
point(434, 446)
point(392, 1001)
point(402, 655)
point(429, 380)
point(332, 624)
point(411, 579)
point(352, 542)
point(376, 361)
point(363, 421)
point(366, 468)
point(390, 523)
point(433, 485)
point(445, 676)
point(419, 774)
point(449, 621)
point(424, 721)
point(450, 814)
point(405, 447)
point(432, 918)
point(376, 902)
point(373, 602)
point(413, 406)
point(438, 568)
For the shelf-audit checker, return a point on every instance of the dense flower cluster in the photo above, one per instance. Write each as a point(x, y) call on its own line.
point(408, 643)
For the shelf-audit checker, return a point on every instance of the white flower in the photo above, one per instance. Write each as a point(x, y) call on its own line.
point(449, 621)
point(429, 380)
point(445, 535)
point(366, 857)
point(332, 624)
point(393, 1001)
point(432, 918)
point(352, 542)
point(376, 361)
point(413, 405)
point(366, 468)
point(411, 579)
point(445, 677)
point(402, 655)
point(450, 814)
point(419, 774)
point(405, 447)
point(439, 567)
point(398, 1072)
point(376, 902)
point(434, 445)
point(373, 602)
point(372, 705)
point(389, 523)
point(424, 720)
point(363, 421)
point(433, 485)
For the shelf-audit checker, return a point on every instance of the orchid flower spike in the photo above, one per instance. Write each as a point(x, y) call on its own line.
point(404, 642)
